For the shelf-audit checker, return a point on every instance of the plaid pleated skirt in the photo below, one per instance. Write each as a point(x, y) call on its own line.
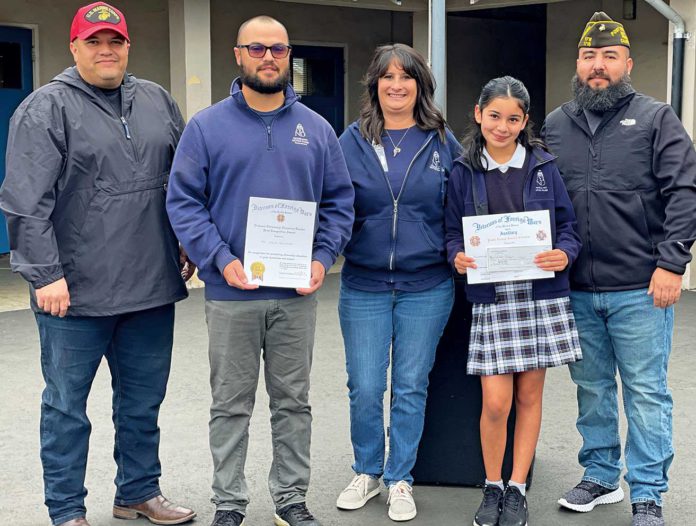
point(517, 333)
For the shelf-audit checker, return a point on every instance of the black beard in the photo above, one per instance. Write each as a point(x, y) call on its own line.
point(252, 81)
point(600, 100)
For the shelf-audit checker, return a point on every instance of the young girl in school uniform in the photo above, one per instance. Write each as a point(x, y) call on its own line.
point(519, 328)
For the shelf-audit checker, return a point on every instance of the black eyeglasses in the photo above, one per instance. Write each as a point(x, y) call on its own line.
point(257, 50)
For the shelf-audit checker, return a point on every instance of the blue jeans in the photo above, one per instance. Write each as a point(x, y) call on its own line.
point(623, 331)
point(410, 324)
point(138, 349)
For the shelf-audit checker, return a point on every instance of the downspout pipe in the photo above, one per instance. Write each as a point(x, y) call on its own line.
point(678, 45)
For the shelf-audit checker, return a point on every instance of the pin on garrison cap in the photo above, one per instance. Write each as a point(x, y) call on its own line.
point(602, 31)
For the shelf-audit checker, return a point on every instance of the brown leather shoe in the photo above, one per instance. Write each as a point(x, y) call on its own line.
point(80, 521)
point(158, 510)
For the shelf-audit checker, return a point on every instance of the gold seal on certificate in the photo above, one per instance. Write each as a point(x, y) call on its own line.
point(279, 239)
point(257, 269)
point(504, 246)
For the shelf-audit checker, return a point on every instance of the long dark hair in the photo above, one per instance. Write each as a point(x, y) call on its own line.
point(508, 88)
point(425, 113)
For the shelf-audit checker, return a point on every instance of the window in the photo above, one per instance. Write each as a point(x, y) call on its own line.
point(313, 77)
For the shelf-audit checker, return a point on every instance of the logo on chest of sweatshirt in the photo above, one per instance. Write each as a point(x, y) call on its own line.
point(435, 163)
point(628, 122)
point(541, 182)
point(300, 137)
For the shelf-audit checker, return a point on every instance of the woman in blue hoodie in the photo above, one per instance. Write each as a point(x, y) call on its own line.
point(396, 287)
point(519, 328)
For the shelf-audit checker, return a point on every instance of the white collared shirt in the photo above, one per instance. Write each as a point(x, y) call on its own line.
point(516, 161)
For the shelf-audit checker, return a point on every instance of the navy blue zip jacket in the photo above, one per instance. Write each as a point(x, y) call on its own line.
point(466, 196)
point(226, 155)
point(398, 239)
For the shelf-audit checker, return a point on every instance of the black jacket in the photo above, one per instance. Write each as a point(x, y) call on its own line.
point(633, 187)
point(84, 195)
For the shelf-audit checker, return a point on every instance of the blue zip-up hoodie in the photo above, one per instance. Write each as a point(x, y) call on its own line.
point(227, 155)
point(398, 238)
point(543, 190)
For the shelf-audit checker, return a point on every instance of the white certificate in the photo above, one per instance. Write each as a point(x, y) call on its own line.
point(504, 246)
point(279, 238)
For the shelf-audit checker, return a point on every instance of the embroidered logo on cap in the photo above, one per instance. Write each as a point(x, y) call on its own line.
point(101, 14)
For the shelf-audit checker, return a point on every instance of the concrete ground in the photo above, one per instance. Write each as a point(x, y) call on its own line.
point(186, 459)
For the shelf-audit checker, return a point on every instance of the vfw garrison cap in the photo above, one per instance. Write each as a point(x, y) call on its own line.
point(96, 17)
point(602, 31)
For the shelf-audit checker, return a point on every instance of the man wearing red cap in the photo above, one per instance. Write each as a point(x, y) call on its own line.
point(88, 159)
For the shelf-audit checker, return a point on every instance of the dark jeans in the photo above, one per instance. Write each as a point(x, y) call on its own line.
point(138, 349)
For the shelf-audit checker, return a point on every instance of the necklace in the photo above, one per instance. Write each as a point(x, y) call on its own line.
point(396, 146)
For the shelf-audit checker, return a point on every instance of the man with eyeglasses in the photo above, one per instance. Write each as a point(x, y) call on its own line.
point(259, 142)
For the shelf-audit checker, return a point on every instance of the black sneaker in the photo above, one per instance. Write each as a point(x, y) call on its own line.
point(227, 518)
point(647, 514)
point(295, 515)
point(489, 510)
point(586, 495)
point(514, 511)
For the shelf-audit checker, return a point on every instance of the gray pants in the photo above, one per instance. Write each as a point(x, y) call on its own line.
point(238, 331)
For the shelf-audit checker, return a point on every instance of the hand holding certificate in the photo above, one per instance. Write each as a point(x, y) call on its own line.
point(279, 238)
point(505, 246)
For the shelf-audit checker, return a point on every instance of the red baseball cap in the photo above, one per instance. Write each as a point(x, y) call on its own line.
point(96, 17)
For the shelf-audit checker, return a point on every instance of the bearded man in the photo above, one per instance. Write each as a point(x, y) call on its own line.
point(630, 169)
point(259, 142)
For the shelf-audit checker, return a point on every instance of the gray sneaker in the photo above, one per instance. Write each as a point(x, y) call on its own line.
point(402, 507)
point(586, 495)
point(361, 489)
point(227, 518)
point(647, 514)
point(295, 515)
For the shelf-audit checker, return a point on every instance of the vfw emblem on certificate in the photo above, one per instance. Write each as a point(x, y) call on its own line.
point(279, 239)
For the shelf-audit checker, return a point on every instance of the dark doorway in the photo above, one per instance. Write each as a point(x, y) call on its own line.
point(317, 76)
point(16, 82)
point(487, 43)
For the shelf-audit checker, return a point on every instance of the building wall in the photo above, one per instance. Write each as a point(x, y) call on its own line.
point(649, 46)
point(148, 27)
point(361, 29)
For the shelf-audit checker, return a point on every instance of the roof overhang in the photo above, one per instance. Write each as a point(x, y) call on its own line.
point(421, 5)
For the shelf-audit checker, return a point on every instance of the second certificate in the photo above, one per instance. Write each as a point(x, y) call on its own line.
point(279, 238)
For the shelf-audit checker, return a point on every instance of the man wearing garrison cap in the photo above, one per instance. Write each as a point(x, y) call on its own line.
point(630, 169)
point(87, 162)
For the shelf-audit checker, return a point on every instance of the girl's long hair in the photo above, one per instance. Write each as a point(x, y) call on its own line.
point(505, 87)
point(425, 113)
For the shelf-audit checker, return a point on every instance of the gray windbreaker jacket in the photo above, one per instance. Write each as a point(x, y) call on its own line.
point(84, 195)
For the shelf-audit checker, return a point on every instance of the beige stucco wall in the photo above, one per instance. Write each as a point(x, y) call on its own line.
point(649, 43)
point(148, 27)
point(361, 29)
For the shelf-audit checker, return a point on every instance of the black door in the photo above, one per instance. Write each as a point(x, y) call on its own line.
point(317, 75)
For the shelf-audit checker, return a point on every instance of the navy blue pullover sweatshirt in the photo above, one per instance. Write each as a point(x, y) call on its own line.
point(226, 155)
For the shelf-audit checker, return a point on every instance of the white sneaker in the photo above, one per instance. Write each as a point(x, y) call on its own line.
point(361, 489)
point(401, 504)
